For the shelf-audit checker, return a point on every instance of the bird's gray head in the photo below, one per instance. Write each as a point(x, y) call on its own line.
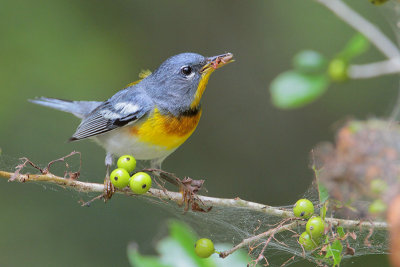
point(178, 84)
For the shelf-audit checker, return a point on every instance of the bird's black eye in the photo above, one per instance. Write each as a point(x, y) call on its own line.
point(186, 70)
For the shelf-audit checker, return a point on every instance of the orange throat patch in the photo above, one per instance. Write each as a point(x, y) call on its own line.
point(166, 130)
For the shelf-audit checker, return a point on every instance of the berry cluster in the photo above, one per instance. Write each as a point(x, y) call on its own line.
point(139, 183)
point(315, 226)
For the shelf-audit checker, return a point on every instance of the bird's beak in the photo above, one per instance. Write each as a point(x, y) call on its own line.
point(216, 62)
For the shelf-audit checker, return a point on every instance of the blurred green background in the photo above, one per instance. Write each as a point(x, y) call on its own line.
point(243, 146)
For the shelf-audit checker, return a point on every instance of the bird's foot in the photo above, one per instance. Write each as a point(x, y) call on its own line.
point(108, 192)
point(109, 189)
point(188, 187)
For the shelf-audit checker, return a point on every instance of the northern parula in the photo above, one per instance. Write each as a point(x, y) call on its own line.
point(150, 118)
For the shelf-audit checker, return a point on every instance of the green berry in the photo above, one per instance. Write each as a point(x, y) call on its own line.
point(378, 186)
point(303, 208)
point(140, 183)
point(337, 70)
point(204, 248)
point(127, 162)
point(307, 242)
point(309, 61)
point(315, 227)
point(119, 178)
point(376, 207)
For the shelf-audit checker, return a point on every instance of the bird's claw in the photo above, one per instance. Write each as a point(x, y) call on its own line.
point(109, 189)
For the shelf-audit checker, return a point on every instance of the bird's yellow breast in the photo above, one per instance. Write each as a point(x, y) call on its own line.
point(166, 130)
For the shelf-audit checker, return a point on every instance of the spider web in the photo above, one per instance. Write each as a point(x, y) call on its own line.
point(230, 225)
point(233, 224)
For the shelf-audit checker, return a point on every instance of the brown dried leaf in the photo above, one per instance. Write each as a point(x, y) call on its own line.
point(349, 250)
point(353, 235)
point(196, 207)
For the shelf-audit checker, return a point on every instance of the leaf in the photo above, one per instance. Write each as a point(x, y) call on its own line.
point(238, 259)
point(309, 61)
point(323, 210)
point(293, 89)
point(172, 253)
point(340, 231)
point(136, 259)
point(356, 46)
point(323, 193)
point(177, 250)
point(334, 251)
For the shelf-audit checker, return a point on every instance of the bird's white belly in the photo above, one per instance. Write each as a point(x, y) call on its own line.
point(120, 143)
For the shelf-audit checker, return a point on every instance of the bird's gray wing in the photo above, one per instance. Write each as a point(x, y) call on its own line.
point(124, 107)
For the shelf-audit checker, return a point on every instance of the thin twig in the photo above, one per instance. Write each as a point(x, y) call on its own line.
point(286, 262)
point(368, 29)
point(246, 242)
point(271, 236)
point(375, 69)
point(374, 35)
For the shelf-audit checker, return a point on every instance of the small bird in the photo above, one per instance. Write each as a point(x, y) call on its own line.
point(150, 118)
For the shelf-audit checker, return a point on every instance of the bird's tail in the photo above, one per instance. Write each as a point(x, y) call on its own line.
point(79, 108)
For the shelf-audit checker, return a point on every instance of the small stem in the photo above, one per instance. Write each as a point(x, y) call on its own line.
point(374, 69)
point(250, 240)
point(369, 30)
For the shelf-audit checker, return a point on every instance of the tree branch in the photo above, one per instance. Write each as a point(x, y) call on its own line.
point(177, 198)
point(374, 35)
point(369, 30)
